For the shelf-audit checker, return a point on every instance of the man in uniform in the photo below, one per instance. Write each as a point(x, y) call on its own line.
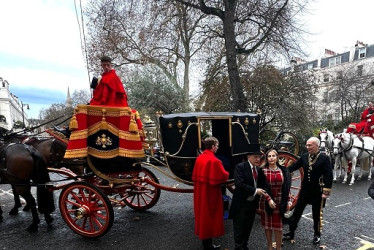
point(108, 90)
point(208, 175)
point(316, 187)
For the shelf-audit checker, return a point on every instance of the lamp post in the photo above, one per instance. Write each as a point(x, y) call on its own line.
point(23, 113)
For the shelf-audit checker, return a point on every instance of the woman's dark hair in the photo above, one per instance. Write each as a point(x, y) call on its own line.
point(209, 142)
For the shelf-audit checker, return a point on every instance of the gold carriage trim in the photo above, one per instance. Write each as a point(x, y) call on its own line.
point(75, 153)
point(129, 136)
point(326, 191)
point(116, 152)
point(76, 135)
point(112, 129)
point(352, 126)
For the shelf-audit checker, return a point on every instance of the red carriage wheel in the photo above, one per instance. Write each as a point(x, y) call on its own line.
point(286, 159)
point(142, 196)
point(86, 209)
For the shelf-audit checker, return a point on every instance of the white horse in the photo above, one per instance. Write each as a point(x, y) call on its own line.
point(326, 144)
point(354, 148)
point(326, 137)
point(340, 162)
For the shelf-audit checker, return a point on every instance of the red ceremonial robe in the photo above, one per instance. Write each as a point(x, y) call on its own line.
point(363, 125)
point(208, 174)
point(110, 91)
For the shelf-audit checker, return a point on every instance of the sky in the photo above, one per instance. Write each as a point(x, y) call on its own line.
point(41, 56)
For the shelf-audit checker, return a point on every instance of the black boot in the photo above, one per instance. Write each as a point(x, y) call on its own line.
point(208, 245)
point(316, 238)
point(289, 236)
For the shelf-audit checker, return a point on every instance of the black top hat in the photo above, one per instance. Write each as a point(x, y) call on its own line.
point(256, 152)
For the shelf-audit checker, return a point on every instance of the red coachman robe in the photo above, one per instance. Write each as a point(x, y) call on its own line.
point(207, 176)
point(110, 91)
point(364, 124)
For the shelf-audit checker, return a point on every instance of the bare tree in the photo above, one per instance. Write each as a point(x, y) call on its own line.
point(351, 88)
point(150, 91)
point(250, 26)
point(146, 33)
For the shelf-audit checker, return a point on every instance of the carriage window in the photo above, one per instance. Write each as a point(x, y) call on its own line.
point(206, 128)
point(218, 128)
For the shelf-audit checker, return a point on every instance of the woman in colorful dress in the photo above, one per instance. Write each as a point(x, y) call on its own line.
point(273, 207)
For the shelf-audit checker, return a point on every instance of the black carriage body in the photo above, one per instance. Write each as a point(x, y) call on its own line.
point(182, 135)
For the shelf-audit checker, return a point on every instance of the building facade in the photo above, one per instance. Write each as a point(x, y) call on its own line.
point(12, 110)
point(345, 80)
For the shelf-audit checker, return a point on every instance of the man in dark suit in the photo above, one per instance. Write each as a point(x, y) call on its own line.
point(315, 187)
point(246, 197)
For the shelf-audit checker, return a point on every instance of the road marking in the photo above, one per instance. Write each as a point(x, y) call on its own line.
point(367, 198)
point(309, 216)
point(345, 204)
point(10, 193)
point(365, 244)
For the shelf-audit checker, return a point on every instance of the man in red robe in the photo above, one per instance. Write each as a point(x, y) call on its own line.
point(365, 124)
point(108, 90)
point(208, 175)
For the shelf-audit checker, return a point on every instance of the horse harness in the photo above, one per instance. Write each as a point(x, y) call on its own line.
point(350, 146)
point(3, 168)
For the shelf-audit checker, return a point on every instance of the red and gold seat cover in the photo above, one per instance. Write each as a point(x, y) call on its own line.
point(105, 132)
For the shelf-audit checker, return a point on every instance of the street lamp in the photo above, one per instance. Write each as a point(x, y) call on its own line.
point(23, 113)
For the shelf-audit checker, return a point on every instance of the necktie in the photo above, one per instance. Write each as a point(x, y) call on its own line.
point(254, 172)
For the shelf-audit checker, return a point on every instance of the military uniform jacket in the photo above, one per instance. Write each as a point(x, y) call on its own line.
point(320, 170)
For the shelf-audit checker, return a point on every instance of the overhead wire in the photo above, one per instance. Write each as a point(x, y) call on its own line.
point(82, 33)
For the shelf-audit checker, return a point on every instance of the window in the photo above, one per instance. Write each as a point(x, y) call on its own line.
point(335, 61)
point(326, 77)
point(361, 53)
point(360, 69)
point(310, 66)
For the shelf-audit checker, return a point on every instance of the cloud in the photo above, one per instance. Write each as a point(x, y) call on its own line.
point(40, 51)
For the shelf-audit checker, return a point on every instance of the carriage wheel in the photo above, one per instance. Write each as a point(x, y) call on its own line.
point(288, 142)
point(286, 159)
point(265, 138)
point(86, 209)
point(142, 196)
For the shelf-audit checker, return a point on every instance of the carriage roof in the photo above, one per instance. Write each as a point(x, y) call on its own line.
point(209, 114)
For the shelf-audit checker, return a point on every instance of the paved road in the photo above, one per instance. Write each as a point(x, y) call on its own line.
point(169, 225)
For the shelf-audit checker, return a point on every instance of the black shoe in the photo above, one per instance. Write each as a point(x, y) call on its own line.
point(316, 239)
point(289, 236)
point(212, 247)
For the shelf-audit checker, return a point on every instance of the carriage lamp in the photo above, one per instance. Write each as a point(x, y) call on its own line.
point(150, 133)
point(23, 113)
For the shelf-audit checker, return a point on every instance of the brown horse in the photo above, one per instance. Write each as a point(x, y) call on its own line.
point(19, 164)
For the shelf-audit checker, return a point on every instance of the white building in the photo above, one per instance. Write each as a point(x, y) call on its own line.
point(354, 67)
point(12, 110)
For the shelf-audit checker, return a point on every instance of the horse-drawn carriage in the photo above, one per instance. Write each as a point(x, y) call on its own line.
point(114, 169)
